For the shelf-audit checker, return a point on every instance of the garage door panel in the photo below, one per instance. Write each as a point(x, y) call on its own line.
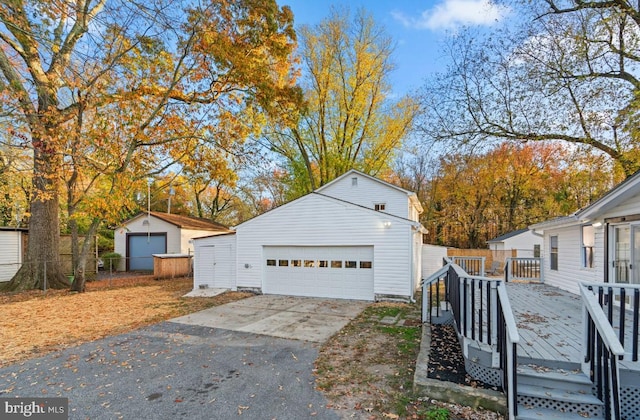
point(141, 247)
point(319, 271)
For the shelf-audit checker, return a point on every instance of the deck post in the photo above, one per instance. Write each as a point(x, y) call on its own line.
point(494, 313)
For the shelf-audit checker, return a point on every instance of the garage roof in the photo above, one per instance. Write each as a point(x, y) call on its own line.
point(186, 222)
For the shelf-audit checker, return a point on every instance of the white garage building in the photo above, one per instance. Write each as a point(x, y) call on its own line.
point(355, 238)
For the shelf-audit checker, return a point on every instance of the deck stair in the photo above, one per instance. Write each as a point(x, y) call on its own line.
point(562, 392)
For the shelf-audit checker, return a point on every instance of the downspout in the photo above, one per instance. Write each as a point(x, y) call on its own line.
point(606, 253)
point(411, 279)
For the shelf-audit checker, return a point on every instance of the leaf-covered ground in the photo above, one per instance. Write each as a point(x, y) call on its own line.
point(446, 362)
point(35, 322)
point(367, 369)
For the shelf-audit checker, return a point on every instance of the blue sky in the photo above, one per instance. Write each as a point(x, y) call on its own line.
point(416, 26)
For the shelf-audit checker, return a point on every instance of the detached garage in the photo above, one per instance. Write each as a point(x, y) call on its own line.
point(146, 234)
point(355, 238)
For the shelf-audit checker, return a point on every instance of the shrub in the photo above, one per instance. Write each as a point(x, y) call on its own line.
point(111, 260)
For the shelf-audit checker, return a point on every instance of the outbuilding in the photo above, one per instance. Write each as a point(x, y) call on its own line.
point(146, 234)
point(357, 237)
point(12, 247)
point(522, 243)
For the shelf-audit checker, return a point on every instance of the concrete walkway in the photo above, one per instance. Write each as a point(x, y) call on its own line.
point(294, 318)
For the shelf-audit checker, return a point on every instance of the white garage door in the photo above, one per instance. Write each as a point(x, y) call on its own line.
point(320, 271)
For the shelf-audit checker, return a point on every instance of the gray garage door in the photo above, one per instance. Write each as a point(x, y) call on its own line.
point(140, 249)
point(344, 272)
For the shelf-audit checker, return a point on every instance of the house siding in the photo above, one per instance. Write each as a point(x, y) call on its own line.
point(570, 271)
point(299, 224)
point(370, 192)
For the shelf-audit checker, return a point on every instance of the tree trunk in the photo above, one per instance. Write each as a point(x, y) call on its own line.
point(80, 260)
point(41, 268)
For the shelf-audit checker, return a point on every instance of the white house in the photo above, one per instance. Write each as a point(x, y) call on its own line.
point(12, 244)
point(599, 243)
point(140, 237)
point(524, 241)
point(356, 237)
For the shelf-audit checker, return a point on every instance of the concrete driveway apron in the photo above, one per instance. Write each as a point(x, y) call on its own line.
point(176, 370)
point(296, 318)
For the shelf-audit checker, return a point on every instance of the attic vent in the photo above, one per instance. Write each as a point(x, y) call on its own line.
point(354, 182)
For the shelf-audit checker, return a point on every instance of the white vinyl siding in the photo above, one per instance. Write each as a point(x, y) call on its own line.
point(368, 193)
point(315, 220)
point(570, 270)
point(11, 255)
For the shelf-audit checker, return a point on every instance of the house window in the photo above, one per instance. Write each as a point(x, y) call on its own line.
point(588, 243)
point(296, 263)
point(354, 182)
point(323, 263)
point(309, 263)
point(350, 264)
point(365, 264)
point(553, 254)
point(380, 207)
point(336, 264)
point(536, 250)
point(271, 263)
point(283, 263)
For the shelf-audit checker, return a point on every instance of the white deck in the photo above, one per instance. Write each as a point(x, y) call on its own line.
point(549, 321)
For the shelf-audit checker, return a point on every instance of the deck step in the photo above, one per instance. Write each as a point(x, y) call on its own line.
point(527, 413)
point(570, 380)
point(560, 400)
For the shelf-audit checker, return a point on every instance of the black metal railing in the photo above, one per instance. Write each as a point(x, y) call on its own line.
point(621, 304)
point(482, 313)
point(434, 294)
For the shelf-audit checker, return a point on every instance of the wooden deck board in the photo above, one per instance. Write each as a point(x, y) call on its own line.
point(549, 321)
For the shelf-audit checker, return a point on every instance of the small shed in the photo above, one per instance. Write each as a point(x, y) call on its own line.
point(146, 234)
point(169, 266)
point(12, 249)
point(524, 242)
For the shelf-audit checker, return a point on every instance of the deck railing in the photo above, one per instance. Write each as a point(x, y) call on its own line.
point(508, 339)
point(483, 313)
point(621, 304)
point(523, 269)
point(474, 266)
point(602, 351)
point(434, 294)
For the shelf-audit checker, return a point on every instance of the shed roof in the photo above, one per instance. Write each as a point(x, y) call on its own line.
point(508, 235)
point(186, 222)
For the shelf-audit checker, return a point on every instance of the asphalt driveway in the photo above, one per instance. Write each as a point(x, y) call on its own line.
point(182, 370)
